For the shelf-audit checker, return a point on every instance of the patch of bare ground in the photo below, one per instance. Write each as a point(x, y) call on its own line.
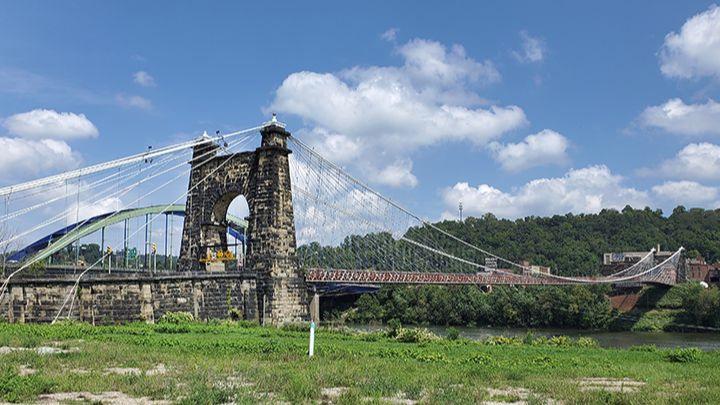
point(233, 382)
point(331, 394)
point(268, 398)
point(513, 396)
point(109, 397)
point(41, 350)
point(400, 398)
point(159, 369)
point(610, 384)
point(25, 370)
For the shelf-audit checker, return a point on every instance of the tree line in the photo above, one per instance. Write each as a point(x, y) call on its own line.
point(571, 245)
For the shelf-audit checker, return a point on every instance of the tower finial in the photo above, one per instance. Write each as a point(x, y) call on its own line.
point(274, 121)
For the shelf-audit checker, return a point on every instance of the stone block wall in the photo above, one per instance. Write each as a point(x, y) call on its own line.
point(112, 299)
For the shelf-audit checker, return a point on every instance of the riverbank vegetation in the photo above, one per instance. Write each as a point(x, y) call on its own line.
point(217, 362)
point(679, 308)
point(682, 307)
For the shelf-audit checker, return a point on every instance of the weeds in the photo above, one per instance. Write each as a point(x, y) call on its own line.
point(273, 364)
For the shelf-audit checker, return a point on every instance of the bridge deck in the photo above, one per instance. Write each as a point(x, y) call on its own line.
point(360, 277)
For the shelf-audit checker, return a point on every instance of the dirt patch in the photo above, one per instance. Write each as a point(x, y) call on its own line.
point(25, 370)
point(610, 384)
point(507, 396)
point(160, 369)
point(109, 397)
point(233, 382)
point(514, 396)
point(41, 350)
point(268, 398)
point(333, 393)
point(123, 371)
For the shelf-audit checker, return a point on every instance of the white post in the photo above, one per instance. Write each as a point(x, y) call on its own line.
point(312, 339)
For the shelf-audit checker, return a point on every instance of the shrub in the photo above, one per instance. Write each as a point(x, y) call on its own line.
point(394, 327)
point(560, 341)
point(176, 318)
point(480, 358)
point(414, 335)
point(585, 341)
point(502, 341)
point(686, 355)
point(452, 334)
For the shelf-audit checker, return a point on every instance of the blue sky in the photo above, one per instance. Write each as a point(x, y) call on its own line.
point(515, 108)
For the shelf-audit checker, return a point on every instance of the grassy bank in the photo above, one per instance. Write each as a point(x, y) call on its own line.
point(215, 363)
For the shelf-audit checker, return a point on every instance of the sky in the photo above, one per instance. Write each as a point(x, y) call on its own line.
point(514, 108)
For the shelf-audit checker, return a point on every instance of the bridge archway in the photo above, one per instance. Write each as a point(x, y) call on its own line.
point(263, 178)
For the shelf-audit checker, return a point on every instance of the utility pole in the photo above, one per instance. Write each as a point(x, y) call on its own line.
point(165, 260)
point(171, 243)
point(147, 259)
point(102, 245)
point(460, 208)
point(125, 245)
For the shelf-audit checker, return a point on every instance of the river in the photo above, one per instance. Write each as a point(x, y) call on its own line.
point(704, 341)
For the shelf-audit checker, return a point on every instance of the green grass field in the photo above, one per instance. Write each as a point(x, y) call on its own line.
point(224, 362)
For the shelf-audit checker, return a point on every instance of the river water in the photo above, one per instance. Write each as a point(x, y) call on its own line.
point(704, 341)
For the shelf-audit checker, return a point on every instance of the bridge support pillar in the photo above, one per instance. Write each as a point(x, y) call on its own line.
point(263, 178)
point(271, 227)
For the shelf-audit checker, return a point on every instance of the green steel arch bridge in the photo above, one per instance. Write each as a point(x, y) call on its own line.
point(62, 238)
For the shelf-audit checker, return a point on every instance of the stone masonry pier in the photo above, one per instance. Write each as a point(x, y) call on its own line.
point(111, 299)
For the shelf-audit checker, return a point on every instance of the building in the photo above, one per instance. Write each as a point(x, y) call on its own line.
point(534, 269)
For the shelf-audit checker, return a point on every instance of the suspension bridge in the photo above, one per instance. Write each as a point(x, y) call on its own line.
point(309, 226)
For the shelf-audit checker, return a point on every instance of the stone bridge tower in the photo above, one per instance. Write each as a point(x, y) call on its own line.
point(263, 177)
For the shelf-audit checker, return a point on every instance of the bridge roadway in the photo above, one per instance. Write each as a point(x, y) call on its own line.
point(370, 277)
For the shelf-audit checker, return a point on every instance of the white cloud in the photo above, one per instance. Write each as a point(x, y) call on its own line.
point(386, 113)
point(687, 193)
point(50, 124)
point(586, 190)
point(533, 49)
point(685, 119)
point(338, 148)
point(545, 147)
point(25, 159)
point(144, 79)
point(390, 35)
point(431, 62)
point(695, 50)
point(89, 209)
point(696, 161)
point(398, 174)
point(134, 102)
